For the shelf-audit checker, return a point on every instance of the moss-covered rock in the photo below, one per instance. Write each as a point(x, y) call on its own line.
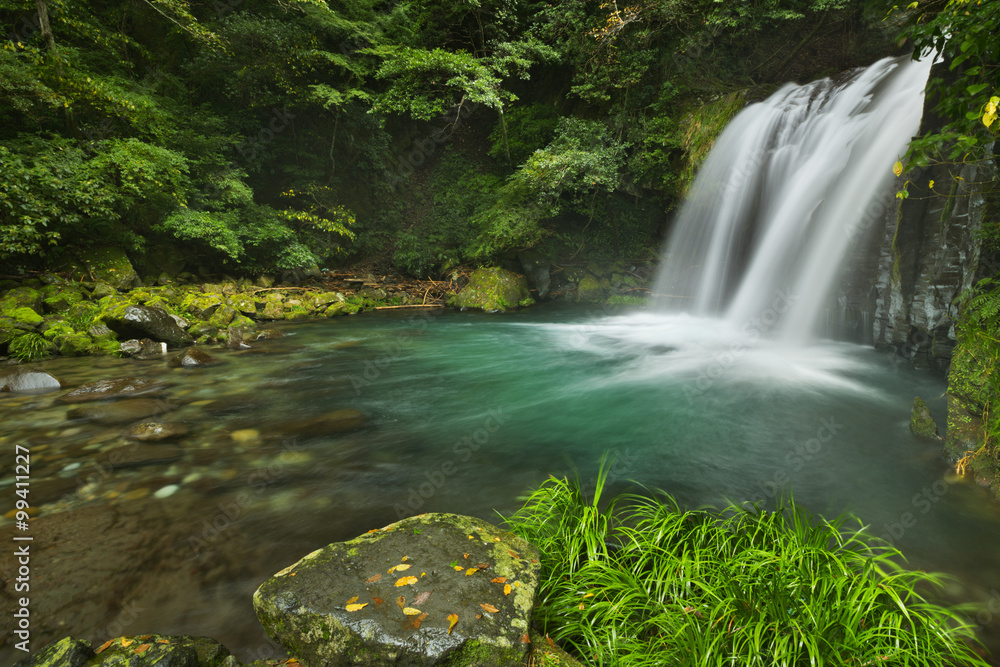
point(109, 265)
point(67, 652)
point(921, 422)
point(74, 344)
point(222, 316)
point(26, 316)
point(590, 289)
point(385, 598)
point(202, 306)
point(57, 298)
point(492, 290)
point(19, 297)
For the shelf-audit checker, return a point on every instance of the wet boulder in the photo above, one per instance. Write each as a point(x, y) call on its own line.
point(112, 388)
point(428, 590)
point(19, 379)
point(109, 265)
point(143, 349)
point(193, 358)
point(140, 651)
point(493, 290)
point(147, 322)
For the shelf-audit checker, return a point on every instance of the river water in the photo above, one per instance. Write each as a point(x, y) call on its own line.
point(464, 413)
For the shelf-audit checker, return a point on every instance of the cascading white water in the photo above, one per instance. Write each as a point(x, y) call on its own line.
point(785, 191)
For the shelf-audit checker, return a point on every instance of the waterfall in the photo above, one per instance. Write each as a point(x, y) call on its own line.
point(786, 190)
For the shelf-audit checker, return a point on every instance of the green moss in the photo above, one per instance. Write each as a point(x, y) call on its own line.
point(25, 315)
point(921, 422)
point(492, 290)
point(589, 289)
point(626, 300)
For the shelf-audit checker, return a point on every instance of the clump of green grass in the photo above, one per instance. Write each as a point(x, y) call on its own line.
point(29, 347)
point(643, 582)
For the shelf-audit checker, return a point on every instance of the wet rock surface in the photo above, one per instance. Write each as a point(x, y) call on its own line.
point(431, 589)
point(113, 388)
point(192, 358)
point(148, 322)
point(120, 412)
point(20, 379)
point(154, 431)
point(137, 651)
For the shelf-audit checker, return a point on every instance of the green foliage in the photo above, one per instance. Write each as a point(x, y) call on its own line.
point(28, 347)
point(529, 128)
point(636, 580)
point(964, 34)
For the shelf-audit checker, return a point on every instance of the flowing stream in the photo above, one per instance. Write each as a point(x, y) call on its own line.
point(465, 413)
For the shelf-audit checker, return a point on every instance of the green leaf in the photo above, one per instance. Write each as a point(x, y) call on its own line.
point(976, 88)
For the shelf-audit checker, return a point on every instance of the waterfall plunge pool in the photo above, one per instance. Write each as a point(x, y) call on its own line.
point(465, 412)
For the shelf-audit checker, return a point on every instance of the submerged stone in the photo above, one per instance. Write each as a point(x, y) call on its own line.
point(192, 358)
point(493, 290)
point(428, 590)
point(154, 431)
point(120, 412)
point(123, 387)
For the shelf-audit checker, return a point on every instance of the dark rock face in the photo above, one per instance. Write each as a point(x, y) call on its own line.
point(19, 379)
point(124, 387)
point(432, 589)
point(66, 652)
point(536, 268)
point(143, 349)
point(192, 358)
point(148, 322)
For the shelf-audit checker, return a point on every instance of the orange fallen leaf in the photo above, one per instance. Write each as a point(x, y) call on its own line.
point(162, 641)
point(512, 553)
point(418, 620)
point(406, 581)
point(373, 530)
point(141, 648)
point(144, 637)
point(488, 607)
point(525, 639)
point(401, 602)
point(483, 566)
point(378, 600)
point(507, 589)
point(452, 622)
point(471, 570)
point(478, 616)
point(496, 539)
point(465, 555)
point(499, 580)
point(105, 645)
point(353, 599)
point(549, 641)
point(372, 579)
point(411, 611)
point(357, 607)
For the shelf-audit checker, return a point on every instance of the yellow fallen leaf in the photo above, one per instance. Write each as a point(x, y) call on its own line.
point(580, 607)
point(404, 566)
point(488, 607)
point(452, 622)
point(372, 579)
point(471, 570)
point(589, 595)
point(405, 558)
point(406, 581)
point(141, 648)
point(459, 568)
point(401, 602)
point(127, 642)
point(897, 168)
point(353, 599)
point(507, 589)
point(357, 607)
point(411, 611)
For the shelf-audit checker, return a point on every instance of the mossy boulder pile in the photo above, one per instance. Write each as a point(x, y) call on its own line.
point(428, 590)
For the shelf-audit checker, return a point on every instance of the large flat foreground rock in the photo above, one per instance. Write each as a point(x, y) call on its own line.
point(435, 589)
